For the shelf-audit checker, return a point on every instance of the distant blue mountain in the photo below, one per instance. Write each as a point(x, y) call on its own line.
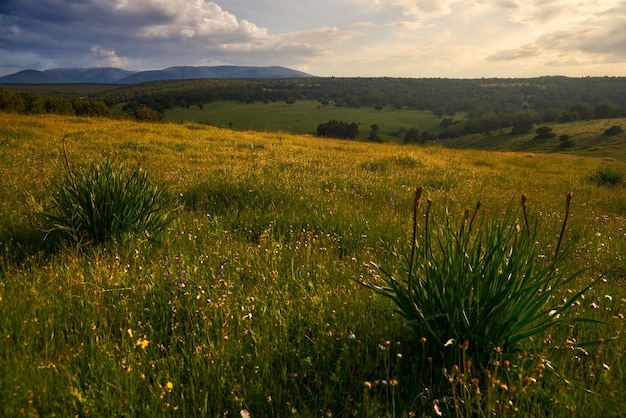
point(119, 76)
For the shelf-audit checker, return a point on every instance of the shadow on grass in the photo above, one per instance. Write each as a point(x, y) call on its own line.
point(20, 243)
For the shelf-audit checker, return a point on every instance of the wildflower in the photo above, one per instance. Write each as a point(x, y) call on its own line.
point(367, 385)
point(169, 386)
point(244, 413)
point(393, 382)
point(142, 342)
point(437, 410)
point(528, 380)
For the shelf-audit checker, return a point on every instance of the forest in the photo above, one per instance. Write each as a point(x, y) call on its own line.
point(486, 104)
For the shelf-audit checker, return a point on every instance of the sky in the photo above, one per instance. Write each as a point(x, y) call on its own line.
point(342, 38)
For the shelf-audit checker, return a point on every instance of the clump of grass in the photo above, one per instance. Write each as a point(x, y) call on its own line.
point(107, 200)
point(480, 285)
point(607, 176)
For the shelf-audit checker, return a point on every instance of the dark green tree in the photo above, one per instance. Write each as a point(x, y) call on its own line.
point(337, 129)
point(412, 136)
point(604, 110)
point(373, 136)
point(544, 132)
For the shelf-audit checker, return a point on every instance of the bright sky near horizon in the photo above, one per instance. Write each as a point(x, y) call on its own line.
point(344, 38)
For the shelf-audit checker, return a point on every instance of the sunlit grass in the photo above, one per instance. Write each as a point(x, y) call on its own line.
point(586, 138)
point(251, 299)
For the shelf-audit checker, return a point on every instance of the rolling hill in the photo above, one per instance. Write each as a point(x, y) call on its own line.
point(120, 76)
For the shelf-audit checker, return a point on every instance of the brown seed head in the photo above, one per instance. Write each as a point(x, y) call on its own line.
point(418, 196)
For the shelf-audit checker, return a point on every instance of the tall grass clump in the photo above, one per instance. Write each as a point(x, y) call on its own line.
point(607, 176)
point(480, 286)
point(108, 200)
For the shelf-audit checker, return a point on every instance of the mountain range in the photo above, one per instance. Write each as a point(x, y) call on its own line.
point(120, 76)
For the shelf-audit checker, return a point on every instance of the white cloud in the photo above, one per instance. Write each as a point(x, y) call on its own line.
point(448, 38)
point(422, 9)
point(102, 57)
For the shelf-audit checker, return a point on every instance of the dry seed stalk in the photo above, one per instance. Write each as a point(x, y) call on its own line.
point(416, 205)
point(568, 201)
point(525, 215)
point(67, 163)
point(478, 205)
point(426, 243)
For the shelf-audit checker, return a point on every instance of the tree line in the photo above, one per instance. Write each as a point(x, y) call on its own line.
point(522, 121)
point(489, 104)
point(35, 104)
point(445, 96)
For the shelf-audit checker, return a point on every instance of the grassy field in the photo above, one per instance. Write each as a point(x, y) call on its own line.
point(251, 303)
point(587, 139)
point(303, 117)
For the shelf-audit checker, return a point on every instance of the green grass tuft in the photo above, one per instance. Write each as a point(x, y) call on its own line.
point(480, 286)
point(105, 201)
point(607, 176)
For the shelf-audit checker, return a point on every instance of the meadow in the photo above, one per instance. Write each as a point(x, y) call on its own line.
point(303, 117)
point(251, 302)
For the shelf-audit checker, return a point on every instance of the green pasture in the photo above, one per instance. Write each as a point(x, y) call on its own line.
point(587, 139)
point(303, 117)
point(251, 302)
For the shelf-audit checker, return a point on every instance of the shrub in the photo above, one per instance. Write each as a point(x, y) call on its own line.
point(544, 132)
point(607, 176)
point(144, 113)
point(521, 129)
point(412, 136)
point(565, 141)
point(614, 130)
point(106, 201)
point(480, 289)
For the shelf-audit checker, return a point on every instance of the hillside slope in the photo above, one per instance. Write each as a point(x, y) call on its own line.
point(586, 138)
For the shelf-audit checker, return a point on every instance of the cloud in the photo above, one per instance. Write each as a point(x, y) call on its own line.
point(422, 9)
point(124, 32)
point(570, 34)
point(325, 37)
point(102, 57)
